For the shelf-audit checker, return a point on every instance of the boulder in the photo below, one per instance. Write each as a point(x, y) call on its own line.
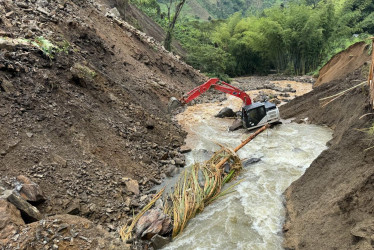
point(131, 185)
point(113, 13)
point(30, 191)
point(153, 222)
point(226, 112)
point(29, 212)
point(10, 220)
point(237, 124)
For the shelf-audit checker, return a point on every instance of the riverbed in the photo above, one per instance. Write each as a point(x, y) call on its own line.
point(252, 216)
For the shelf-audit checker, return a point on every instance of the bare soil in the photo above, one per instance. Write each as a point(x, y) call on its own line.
point(78, 137)
point(344, 63)
point(331, 206)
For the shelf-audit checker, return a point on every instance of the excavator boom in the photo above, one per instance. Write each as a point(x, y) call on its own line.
point(218, 85)
point(253, 115)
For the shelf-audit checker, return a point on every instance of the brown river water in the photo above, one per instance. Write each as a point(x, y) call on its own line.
point(252, 216)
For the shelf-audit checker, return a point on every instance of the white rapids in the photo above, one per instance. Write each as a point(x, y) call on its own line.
point(252, 216)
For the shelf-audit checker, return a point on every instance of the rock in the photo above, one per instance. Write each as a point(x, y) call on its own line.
point(159, 204)
point(7, 86)
point(42, 3)
point(236, 125)
point(251, 161)
point(131, 185)
point(159, 242)
point(30, 191)
point(29, 212)
point(179, 161)
point(114, 13)
point(10, 220)
point(173, 104)
point(149, 124)
point(74, 208)
point(171, 170)
point(143, 198)
point(185, 149)
point(65, 232)
point(22, 5)
point(226, 112)
point(153, 222)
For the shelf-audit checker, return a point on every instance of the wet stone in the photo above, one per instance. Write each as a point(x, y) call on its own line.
point(29, 212)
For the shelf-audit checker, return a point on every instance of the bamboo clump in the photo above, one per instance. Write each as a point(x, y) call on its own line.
point(197, 187)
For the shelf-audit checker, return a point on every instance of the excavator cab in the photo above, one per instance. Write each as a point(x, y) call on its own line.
point(259, 113)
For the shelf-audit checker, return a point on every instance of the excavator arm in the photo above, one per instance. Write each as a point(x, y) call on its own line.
point(218, 85)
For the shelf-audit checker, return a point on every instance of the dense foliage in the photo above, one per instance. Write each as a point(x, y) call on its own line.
point(295, 37)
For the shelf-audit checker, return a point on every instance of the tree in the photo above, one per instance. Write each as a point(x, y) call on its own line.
point(169, 32)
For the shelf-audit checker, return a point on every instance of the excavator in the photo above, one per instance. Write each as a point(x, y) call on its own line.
point(253, 115)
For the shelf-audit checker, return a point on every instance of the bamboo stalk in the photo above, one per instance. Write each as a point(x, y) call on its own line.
point(343, 92)
point(250, 138)
point(189, 197)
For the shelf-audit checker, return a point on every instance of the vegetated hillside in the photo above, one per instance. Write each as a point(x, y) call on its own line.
point(80, 120)
point(331, 206)
point(221, 9)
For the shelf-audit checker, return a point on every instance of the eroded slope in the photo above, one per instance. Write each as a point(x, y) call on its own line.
point(79, 121)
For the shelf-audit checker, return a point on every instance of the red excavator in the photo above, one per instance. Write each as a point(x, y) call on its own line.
point(253, 115)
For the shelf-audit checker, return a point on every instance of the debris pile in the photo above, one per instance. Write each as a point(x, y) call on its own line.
point(198, 186)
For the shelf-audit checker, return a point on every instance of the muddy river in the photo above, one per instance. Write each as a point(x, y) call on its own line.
point(252, 216)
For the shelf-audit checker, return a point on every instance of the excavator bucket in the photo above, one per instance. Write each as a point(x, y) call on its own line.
point(173, 104)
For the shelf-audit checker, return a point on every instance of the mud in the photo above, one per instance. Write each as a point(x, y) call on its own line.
point(334, 198)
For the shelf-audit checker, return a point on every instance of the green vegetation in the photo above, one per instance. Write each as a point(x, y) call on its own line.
point(292, 37)
point(45, 46)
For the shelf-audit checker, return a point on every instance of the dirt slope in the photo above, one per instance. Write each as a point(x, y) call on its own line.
point(343, 63)
point(141, 21)
point(331, 206)
point(96, 112)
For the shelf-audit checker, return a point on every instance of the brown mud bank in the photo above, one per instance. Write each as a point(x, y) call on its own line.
point(331, 206)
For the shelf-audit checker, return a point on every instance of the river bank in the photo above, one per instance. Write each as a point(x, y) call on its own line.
point(331, 205)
